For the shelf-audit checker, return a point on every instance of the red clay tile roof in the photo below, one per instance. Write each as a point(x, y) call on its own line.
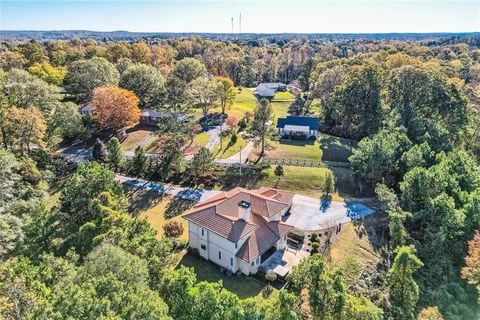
point(233, 230)
point(262, 239)
point(280, 195)
point(220, 214)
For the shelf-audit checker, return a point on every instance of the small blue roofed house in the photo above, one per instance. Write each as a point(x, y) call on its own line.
point(298, 127)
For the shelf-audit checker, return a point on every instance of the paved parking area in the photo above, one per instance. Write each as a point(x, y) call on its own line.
point(314, 214)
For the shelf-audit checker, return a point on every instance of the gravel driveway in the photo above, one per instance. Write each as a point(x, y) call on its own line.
point(312, 214)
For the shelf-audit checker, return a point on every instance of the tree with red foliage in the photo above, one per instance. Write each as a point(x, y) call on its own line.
point(115, 108)
point(172, 229)
point(471, 271)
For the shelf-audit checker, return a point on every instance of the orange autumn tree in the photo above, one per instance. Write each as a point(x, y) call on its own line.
point(472, 270)
point(115, 108)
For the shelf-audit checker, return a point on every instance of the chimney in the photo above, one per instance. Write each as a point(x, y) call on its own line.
point(244, 210)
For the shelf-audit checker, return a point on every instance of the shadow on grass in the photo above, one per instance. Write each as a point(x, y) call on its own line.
point(336, 149)
point(249, 179)
point(299, 142)
point(244, 287)
point(375, 227)
point(141, 200)
point(177, 206)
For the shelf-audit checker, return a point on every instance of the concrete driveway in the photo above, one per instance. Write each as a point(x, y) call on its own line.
point(312, 214)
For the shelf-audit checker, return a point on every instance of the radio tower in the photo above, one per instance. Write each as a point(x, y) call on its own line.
point(232, 24)
point(240, 23)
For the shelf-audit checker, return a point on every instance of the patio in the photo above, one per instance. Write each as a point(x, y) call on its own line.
point(282, 261)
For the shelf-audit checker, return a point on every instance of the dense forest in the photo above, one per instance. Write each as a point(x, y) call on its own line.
point(413, 106)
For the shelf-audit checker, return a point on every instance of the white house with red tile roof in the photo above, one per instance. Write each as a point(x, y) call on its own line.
point(235, 228)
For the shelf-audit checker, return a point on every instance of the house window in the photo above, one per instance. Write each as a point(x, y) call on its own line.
point(203, 247)
point(231, 262)
point(235, 245)
point(258, 260)
point(253, 262)
point(203, 232)
point(219, 255)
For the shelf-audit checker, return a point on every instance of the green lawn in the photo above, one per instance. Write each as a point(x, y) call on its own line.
point(136, 138)
point(245, 101)
point(158, 210)
point(326, 148)
point(229, 150)
point(303, 180)
point(281, 102)
point(335, 148)
point(201, 138)
point(286, 95)
point(295, 149)
point(244, 287)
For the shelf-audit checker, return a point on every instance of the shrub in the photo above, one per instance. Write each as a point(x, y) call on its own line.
point(232, 121)
point(172, 229)
point(99, 151)
point(270, 276)
point(314, 237)
point(233, 138)
point(242, 125)
point(279, 170)
point(267, 291)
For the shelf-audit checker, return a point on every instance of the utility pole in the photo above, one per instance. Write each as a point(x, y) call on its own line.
point(240, 160)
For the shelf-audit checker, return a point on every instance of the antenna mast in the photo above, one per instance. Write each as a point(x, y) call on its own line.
point(232, 24)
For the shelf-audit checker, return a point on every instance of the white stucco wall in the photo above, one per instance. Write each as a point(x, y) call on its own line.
point(213, 244)
point(247, 268)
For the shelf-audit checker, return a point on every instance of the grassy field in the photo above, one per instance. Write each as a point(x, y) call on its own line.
point(295, 149)
point(358, 245)
point(335, 148)
point(301, 180)
point(158, 210)
point(244, 287)
point(326, 148)
point(137, 137)
point(281, 102)
point(245, 101)
point(229, 150)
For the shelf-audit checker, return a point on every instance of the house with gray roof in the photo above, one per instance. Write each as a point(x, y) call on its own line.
point(240, 229)
point(268, 89)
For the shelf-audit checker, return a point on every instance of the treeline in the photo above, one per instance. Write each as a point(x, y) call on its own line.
point(418, 123)
point(246, 62)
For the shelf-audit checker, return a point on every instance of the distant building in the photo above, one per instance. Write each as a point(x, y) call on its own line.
point(240, 229)
point(268, 89)
point(292, 127)
point(150, 116)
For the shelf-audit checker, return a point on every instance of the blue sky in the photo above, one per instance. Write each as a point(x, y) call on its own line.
point(266, 16)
